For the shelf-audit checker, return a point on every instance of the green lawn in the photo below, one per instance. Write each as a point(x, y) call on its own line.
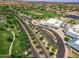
point(4, 44)
point(21, 43)
point(44, 14)
point(20, 46)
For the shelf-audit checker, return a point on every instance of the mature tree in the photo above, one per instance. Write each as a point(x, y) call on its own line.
point(47, 47)
point(41, 52)
point(51, 53)
point(37, 46)
point(34, 42)
point(66, 38)
point(9, 39)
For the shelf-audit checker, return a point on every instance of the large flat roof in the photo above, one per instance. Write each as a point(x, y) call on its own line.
point(55, 22)
point(72, 16)
point(71, 34)
point(77, 42)
point(74, 43)
point(76, 26)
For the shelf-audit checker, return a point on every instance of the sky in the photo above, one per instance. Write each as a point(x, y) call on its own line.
point(55, 0)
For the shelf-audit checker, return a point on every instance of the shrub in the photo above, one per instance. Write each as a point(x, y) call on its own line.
point(51, 53)
point(66, 38)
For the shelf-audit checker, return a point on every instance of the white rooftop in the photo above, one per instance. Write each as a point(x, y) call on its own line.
point(76, 26)
point(55, 22)
point(77, 42)
point(74, 29)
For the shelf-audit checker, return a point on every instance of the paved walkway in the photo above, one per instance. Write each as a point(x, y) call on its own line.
point(10, 49)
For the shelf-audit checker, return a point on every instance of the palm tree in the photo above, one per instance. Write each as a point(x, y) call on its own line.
point(41, 52)
point(53, 49)
point(34, 42)
point(51, 53)
point(41, 38)
point(47, 48)
point(37, 46)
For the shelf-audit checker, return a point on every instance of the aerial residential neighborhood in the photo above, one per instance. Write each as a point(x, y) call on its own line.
point(39, 29)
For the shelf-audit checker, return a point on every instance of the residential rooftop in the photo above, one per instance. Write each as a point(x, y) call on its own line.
point(72, 16)
point(74, 43)
point(72, 35)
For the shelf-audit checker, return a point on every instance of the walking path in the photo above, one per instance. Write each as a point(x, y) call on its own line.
point(10, 49)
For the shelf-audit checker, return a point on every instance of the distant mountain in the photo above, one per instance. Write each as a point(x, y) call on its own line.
point(9, 0)
point(44, 0)
point(54, 0)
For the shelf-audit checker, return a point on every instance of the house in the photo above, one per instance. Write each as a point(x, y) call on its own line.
point(76, 28)
point(50, 23)
point(55, 22)
point(40, 22)
point(73, 31)
point(72, 35)
point(73, 15)
point(74, 44)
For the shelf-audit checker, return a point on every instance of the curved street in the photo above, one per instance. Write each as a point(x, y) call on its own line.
point(25, 25)
point(61, 46)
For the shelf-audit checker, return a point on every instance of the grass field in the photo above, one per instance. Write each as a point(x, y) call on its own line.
point(4, 44)
point(20, 46)
point(40, 14)
point(21, 43)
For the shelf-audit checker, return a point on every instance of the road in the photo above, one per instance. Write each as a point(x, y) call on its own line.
point(34, 51)
point(37, 39)
point(47, 35)
point(40, 43)
point(61, 45)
